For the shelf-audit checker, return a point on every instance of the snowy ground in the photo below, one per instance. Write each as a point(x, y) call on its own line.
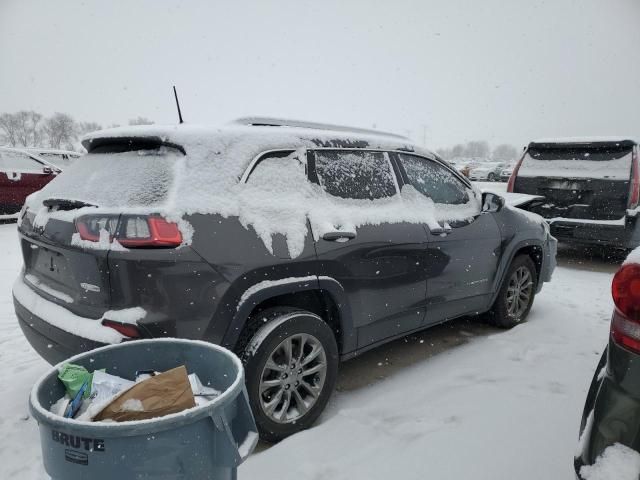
point(459, 401)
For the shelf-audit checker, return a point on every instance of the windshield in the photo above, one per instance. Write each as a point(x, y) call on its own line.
point(59, 160)
point(128, 179)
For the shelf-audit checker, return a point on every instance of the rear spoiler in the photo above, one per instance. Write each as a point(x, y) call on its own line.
point(127, 144)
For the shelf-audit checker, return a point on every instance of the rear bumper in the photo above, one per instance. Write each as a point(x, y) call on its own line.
point(548, 261)
point(620, 234)
point(51, 343)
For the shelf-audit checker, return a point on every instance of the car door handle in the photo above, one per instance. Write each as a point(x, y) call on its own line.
point(339, 236)
point(442, 231)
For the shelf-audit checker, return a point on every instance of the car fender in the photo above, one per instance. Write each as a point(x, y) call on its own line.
point(510, 252)
point(267, 289)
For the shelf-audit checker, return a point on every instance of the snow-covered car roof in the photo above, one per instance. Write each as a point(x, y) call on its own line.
point(253, 138)
point(618, 140)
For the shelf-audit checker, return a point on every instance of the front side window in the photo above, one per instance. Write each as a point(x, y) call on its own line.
point(434, 180)
point(359, 175)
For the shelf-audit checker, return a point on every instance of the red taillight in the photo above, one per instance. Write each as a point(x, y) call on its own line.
point(131, 231)
point(512, 178)
point(126, 329)
point(625, 289)
point(158, 233)
point(634, 195)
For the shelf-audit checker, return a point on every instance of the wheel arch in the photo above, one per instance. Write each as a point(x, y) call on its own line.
point(323, 296)
point(533, 249)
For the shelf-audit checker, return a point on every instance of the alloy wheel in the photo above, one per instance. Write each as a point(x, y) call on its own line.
point(292, 378)
point(519, 292)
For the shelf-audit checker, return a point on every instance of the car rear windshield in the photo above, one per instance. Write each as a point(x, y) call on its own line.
point(585, 153)
point(127, 179)
point(600, 162)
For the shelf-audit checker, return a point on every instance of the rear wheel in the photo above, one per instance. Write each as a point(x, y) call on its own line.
point(492, 177)
point(291, 365)
point(516, 295)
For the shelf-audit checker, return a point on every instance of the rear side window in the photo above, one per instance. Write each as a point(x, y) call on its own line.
point(358, 175)
point(278, 172)
point(18, 162)
point(434, 180)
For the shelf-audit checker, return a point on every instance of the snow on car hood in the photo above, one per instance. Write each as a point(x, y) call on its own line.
point(207, 180)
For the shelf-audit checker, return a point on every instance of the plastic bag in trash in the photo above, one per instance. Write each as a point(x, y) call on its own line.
point(74, 377)
point(201, 393)
point(105, 386)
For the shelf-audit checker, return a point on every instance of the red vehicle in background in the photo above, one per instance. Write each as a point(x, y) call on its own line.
point(21, 174)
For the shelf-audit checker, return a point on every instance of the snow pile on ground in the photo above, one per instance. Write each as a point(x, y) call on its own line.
point(505, 405)
point(279, 199)
point(617, 462)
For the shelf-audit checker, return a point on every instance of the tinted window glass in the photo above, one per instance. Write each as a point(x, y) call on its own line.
point(18, 162)
point(590, 153)
point(434, 181)
point(356, 175)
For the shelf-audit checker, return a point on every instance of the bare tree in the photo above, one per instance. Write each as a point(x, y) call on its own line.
point(10, 127)
point(478, 149)
point(60, 129)
point(140, 121)
point(86, 127)
point(505, 152)
point(457, 151)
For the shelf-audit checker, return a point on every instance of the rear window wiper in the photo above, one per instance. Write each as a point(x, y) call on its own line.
point(63, 204)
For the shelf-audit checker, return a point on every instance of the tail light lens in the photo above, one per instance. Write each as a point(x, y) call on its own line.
point(512, 178)
point(126, 329)
point(634, 195)
point(625, 289)
point(131, 231)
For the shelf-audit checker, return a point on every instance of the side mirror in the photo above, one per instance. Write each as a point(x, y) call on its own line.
point(491, 203)
point(47, 170)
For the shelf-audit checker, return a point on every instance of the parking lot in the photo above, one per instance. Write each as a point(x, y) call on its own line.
point(509, 402)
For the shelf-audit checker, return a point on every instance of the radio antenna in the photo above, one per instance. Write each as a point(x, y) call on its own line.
point(175, 94)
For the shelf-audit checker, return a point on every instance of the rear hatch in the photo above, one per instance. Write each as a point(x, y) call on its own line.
point(101, 191)
point(590, 181)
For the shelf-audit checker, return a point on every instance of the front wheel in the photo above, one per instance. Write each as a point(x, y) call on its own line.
point(291, 366)
point(516, 294)
point(491, 177)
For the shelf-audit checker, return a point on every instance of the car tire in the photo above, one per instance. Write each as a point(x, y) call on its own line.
point(516, 295)
point(491, 177)
point(278, 392)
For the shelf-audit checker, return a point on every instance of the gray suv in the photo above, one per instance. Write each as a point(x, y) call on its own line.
point(295, 245)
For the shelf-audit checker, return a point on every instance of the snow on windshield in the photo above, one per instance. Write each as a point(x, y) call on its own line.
point(277, 198)
point(129, 179)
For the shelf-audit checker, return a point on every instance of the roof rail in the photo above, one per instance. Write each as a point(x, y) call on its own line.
point(280, 122)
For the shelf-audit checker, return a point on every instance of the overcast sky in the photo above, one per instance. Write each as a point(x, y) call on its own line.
point(505, 71)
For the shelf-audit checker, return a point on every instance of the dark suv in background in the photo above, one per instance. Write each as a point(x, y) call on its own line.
point(296, 245)
point(591, 188)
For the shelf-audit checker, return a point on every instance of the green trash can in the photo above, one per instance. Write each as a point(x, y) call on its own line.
point(205, 442)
